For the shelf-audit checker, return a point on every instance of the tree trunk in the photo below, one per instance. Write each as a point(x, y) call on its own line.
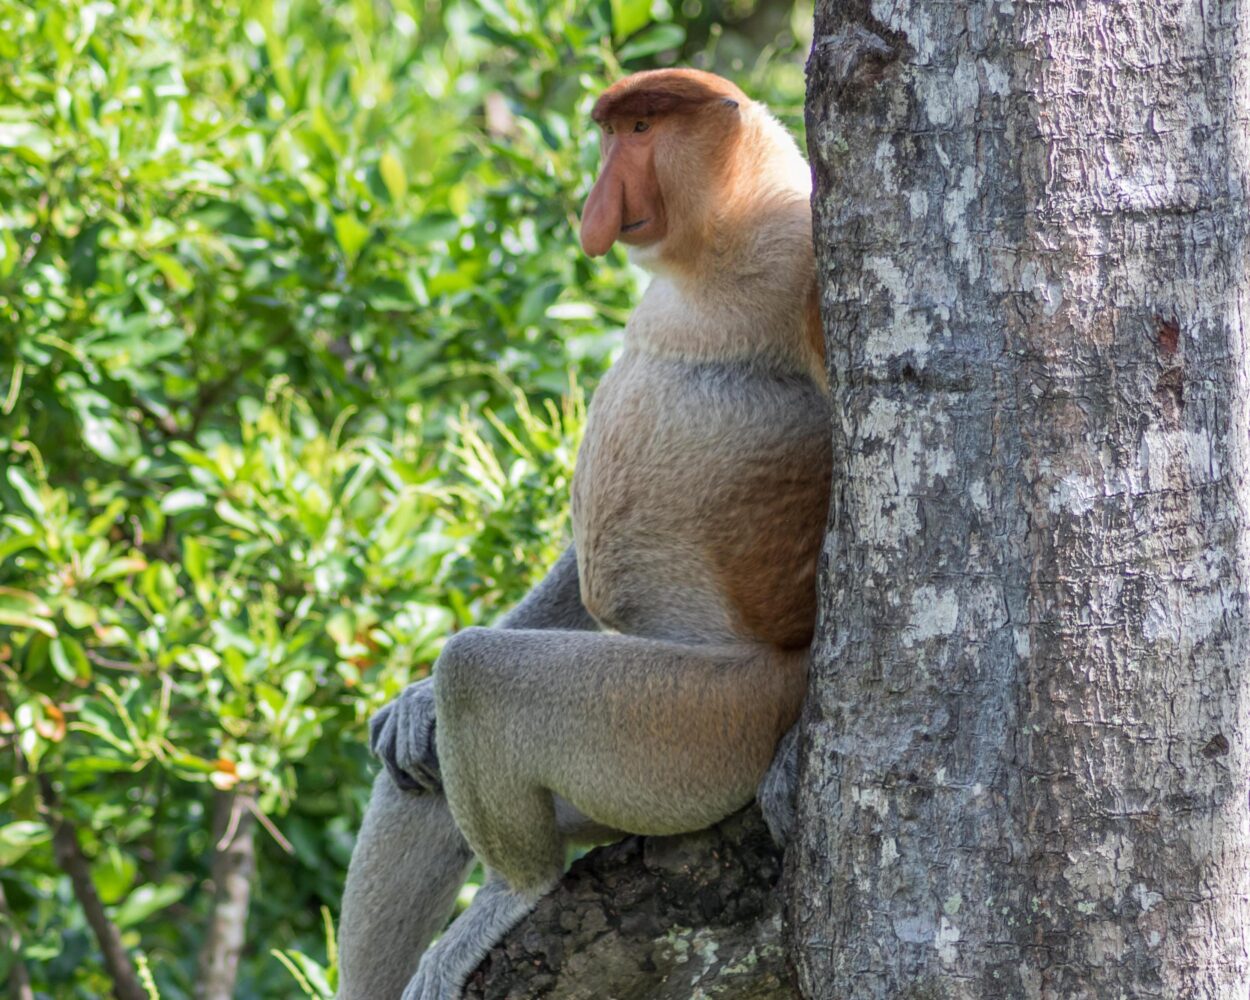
point(234, 865)
point(70, 859)
point(654, 918)
point(1025, 768)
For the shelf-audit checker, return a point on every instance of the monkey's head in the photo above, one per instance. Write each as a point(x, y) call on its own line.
point(668, 137)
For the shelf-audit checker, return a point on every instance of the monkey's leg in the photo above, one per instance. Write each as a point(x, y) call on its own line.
point(639, 735)
point(445, 968)
point(635, 734)
point(410, 861)
point(777, 791)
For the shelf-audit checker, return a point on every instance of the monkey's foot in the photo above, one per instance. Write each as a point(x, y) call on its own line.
point(446, 967)
point(402, 735)
point(777, 791)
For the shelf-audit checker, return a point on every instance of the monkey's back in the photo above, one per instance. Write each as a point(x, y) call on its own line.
point(699, 500)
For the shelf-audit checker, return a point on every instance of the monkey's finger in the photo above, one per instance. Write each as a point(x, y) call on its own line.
point(402, 779)
point(426, 776)
point(382, 735)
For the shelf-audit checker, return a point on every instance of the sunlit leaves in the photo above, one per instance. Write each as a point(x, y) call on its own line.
point(18, 838)
point(289, 297)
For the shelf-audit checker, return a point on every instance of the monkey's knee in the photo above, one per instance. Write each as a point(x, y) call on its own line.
point(489, 747)
point(459, 674)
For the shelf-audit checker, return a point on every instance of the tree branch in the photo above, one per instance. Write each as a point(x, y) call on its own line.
point(234, 863)
point(665, 918)
point(72, 861)
point(19, 978)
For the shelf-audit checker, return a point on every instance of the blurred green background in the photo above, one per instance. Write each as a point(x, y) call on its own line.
point(295, 347)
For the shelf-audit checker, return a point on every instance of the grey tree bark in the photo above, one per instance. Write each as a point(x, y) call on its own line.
point(1026, 740)
point(654, 918)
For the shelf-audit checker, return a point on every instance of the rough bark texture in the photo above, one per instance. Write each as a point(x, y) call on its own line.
point(1026, 759)
point(654, 918)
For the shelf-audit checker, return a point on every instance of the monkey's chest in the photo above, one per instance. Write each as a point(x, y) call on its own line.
point(699, 499)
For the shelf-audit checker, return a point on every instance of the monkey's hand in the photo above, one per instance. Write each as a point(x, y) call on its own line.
point(777, 791)
point(402, 735)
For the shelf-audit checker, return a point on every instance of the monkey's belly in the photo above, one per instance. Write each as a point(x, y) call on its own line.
point(699, 502)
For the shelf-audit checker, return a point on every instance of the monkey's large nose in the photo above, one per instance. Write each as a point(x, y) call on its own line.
point(602, 218)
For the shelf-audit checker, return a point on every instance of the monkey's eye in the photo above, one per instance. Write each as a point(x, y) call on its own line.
point(609, 130)
point(641, 126)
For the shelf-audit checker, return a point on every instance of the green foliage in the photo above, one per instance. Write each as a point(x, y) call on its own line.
point(294, 343)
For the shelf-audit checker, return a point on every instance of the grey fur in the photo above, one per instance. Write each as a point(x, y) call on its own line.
point(495, 910)
point(649, 712)
point(401, 735)
point(520, 809)
point(409, 863)
point(777, 791)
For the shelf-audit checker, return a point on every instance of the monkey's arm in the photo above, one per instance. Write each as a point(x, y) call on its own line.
point(401, 735)
point(410, 859)
point(556, 602)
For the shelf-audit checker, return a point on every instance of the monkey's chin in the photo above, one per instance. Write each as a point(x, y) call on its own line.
point(646, 256)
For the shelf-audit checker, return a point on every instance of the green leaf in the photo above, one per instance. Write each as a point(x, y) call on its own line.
point(23, 600)
point(234, 517)
point(26, 490)
point(146, 900)
point(113, 874)
point(23, 609)
point(572, 310)
point(124, 566)
point(105, 430)
point(183, 499)
point(655, 39)
point(351, 234)
point(96, 764)
point(308, 975)
point(392, 172)
point(18, 838)
point(194, 558)
point(629, 16)
point(27, 140)
point(69, 660)
point(78, 613)
point(177, 276)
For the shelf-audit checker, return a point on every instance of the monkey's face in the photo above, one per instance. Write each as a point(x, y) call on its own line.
point(667, 137)
point(626, 202)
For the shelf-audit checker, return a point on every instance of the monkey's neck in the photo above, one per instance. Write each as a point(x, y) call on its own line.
point(741, 299)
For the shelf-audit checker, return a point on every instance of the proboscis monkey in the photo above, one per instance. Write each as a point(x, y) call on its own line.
point(644, 685)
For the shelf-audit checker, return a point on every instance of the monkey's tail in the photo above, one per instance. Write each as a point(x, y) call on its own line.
point(410, 860)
